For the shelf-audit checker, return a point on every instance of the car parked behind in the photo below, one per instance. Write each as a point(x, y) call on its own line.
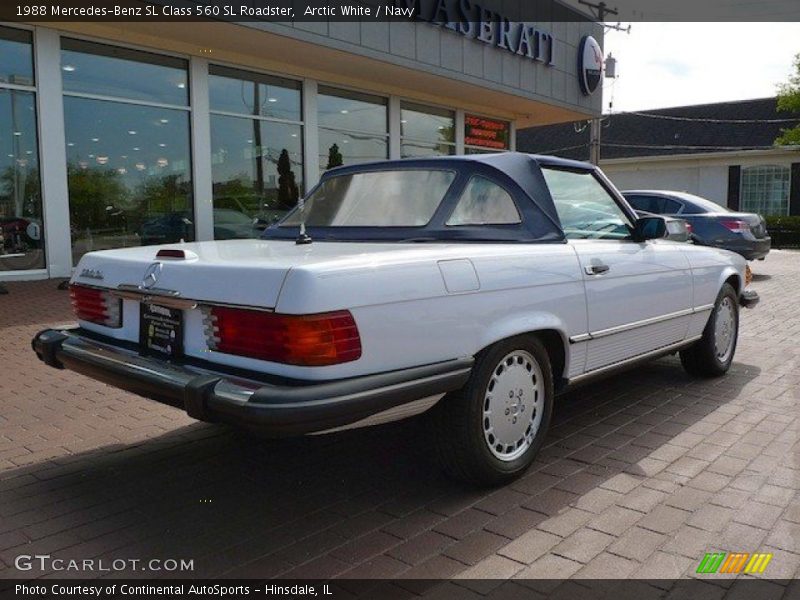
point(711, 224)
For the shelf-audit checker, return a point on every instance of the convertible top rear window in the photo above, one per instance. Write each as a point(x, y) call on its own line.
point(398, 198)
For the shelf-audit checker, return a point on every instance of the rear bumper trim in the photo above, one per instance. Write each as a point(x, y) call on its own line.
point(276, 409)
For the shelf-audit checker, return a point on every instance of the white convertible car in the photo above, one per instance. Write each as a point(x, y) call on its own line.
point(475, 288)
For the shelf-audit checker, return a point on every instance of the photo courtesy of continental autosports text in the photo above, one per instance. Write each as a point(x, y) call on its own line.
point(399, 299)
point(139, 590)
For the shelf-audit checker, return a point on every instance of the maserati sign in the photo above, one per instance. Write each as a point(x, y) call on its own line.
point(590, 65)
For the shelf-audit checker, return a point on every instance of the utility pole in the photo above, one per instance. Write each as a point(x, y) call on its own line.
point(594, 141)
point(600, 11)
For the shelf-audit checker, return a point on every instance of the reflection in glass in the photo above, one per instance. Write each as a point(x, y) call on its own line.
point(129, 174)
point(257, 171)
point(340, 109)
point(352, 128)
point(87, 67)
point(16, 56)
point(338, 148)
point(426, 131)
point(245, 93)
point(21, 232)
point(407, 198)
point(414, 149)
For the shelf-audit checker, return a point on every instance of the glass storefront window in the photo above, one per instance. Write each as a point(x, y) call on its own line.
point(257, 158)
point(128, 164)
point(16, 56)
point(246, 93)
point(482, 135)
point(91, 68)
point(257, 171)
point(426, 131)
point(353, 128)
point(21, 226)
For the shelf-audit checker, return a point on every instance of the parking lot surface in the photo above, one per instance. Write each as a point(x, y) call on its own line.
point(642, 474)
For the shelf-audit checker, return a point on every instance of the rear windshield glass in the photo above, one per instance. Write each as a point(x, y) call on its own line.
point(402, 198)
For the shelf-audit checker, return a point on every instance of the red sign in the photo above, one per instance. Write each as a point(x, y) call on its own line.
point(487, 133)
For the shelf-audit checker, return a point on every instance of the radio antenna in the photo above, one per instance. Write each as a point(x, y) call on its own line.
point(302, 238)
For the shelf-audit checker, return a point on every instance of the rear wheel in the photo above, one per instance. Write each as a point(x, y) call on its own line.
point(490, 431)
point(712, 355)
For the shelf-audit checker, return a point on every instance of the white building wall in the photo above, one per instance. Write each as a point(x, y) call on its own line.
point(705, 175)
point(708, 181)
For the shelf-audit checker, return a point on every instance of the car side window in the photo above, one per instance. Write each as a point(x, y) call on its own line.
point(670, 207)
point(586, 209)
point(643, 203)
point(484, 202)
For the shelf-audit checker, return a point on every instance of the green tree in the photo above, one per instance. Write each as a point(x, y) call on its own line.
point(789, 101)
point(288, 192)
point(335, 158)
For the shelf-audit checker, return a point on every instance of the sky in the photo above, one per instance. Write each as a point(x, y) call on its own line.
point(660, 65)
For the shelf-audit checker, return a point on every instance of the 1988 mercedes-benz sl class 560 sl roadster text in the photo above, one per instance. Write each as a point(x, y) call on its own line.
point(474, 288)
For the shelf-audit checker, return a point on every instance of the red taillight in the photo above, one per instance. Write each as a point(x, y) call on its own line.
point(306, 340)
point(95, 305)
point(735, 225)
point(689, 227)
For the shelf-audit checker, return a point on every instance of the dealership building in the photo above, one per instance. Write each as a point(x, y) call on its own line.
point(121, 134)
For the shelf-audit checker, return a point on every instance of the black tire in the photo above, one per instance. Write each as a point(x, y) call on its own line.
point(702, 359)
point(458, 419)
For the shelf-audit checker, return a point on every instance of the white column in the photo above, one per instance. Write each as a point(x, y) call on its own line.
point(395, 127)
point(459, 131)
point(310, 134)
point(512, 142)
point(52, 152)
point(201, 150)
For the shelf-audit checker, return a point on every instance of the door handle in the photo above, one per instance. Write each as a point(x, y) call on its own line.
point(597, 269)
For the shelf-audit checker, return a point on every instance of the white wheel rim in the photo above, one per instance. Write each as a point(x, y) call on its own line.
point(724, 329)
point(513, 405)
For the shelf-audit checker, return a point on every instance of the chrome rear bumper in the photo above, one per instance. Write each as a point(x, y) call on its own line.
point(276, 407)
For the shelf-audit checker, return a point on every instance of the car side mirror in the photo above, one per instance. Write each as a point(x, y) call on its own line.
point(678, 230)
point(649, 228)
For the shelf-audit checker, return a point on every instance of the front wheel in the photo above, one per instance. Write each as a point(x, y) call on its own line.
point(489, 432)
point(712, 354)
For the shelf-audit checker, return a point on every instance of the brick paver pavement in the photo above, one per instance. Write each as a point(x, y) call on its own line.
point(642, 474)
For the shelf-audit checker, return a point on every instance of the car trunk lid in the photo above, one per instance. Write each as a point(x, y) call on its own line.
point(233, 272)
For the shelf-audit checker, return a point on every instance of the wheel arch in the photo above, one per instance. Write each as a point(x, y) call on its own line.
point(548, 328)
point(731, 276)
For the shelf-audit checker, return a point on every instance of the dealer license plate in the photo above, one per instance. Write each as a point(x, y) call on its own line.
point(161, 330)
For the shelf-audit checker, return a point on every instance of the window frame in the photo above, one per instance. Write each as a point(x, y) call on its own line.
point(337, 91)
point(28, 32)
point(232, 71)
point(422, 108)
point(187, 108)
point(67, 38)
point(618, 199)
point(760, 169)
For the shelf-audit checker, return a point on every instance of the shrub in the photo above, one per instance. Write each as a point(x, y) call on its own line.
point(785, 231)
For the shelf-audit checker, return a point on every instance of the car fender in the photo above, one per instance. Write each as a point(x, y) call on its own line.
point(731, 271)
point(519, 324)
